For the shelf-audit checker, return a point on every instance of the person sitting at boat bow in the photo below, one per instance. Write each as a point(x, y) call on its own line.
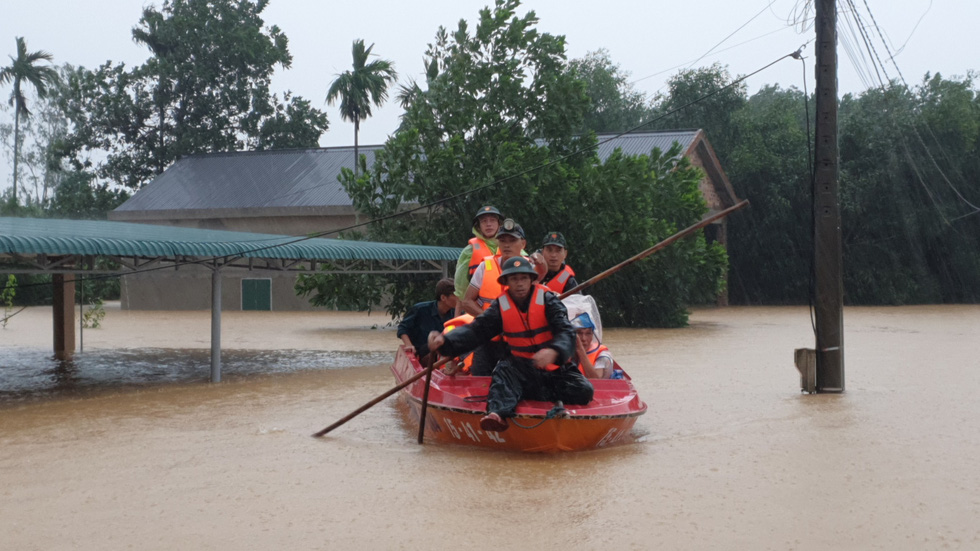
point(560, 276)
point(592, 357)
point(539, 337)
point(426, 317)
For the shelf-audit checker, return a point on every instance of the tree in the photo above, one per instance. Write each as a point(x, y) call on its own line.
point(616, 105)
point(205, 88)
point(703, 98)
point(360, 88)
point(497, 123)
point(909, 218)
point(39, 165)
point(25, 69)
point(910, 226)
point(770, 243)
point(78, 196)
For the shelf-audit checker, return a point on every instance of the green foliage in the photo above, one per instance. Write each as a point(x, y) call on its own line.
point(78, 197)
point(360, 88)
point(908, 195)
point(500, 102)
point(910, 224)
point(7, 295)
point(627, 205)
point(205, 88)
point(615, 105)
point(770, 242)
point(93, 315)
point(358, 292)
point(32, 290)
point(363, 86)
point(703, 99)
point(38, 167)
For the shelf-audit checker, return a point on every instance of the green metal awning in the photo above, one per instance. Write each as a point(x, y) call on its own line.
point(42, 236)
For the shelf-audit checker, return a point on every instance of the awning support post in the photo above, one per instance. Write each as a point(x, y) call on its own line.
point(215, 325)
point(64, 315)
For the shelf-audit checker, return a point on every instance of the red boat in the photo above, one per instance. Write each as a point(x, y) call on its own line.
point(456, 404)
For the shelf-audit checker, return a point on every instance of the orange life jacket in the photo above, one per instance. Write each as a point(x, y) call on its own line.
point(490, 289)
point(527, 333)
point(557, 283)
point(593, 356)
point(454, 323)
point(480, 251)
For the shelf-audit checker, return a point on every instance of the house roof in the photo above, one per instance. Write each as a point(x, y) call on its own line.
point(305, 180)
point(43, 236)
point(642, 143)
point(252, 179)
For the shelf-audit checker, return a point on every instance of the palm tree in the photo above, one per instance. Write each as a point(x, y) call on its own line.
point(361, 88)
point(24, 68)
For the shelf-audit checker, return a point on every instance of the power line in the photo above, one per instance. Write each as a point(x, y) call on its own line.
point(689, 63)
point(912, 127)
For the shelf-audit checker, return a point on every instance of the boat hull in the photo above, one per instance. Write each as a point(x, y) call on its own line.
point(456, 405)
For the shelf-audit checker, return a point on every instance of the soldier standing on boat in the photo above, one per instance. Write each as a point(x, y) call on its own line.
point(560, 276)
point(486, 222)
point(540, 340)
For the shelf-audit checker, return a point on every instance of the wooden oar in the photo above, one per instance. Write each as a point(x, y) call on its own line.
point(367, 406)
point(425, 403)
point(596, 278)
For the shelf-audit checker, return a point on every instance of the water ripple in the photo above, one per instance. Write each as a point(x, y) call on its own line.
point(30, 373)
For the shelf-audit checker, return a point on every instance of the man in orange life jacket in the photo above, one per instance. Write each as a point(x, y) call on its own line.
point(560, 276)
point(483, 244)
point(484, 288)
point(535, 326)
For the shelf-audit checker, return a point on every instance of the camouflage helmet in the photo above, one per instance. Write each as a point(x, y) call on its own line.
point(515, 265)
point(485, 210)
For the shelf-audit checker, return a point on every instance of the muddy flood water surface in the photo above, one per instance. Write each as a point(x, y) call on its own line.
point(130, 448)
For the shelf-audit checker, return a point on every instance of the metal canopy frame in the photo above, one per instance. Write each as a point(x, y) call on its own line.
point(69, 264)
point(62, 265)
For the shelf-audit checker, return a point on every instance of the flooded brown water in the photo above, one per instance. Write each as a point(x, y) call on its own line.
point(729, 456)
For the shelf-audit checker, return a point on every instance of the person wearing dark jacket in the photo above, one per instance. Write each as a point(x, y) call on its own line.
point(560, 277)
point(540, 340)
point(426, 317)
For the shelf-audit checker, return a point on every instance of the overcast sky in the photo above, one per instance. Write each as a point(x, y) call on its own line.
point(651, 40)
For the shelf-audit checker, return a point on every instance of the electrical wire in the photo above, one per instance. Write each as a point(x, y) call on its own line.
point(912, 127)
point(689, 63)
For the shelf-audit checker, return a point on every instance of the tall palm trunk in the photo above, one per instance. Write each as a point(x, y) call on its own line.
point(357, 127)
point(16, 147)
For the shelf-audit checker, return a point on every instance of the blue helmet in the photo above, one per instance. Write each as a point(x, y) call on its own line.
point(583, 321)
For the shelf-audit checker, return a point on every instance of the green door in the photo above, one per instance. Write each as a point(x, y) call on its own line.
point(256, 294)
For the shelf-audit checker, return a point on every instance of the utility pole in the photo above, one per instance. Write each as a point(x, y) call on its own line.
point(827, 257)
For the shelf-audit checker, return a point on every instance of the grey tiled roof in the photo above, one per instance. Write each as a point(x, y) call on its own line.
point(643, 143)
point(300, 178)
point(257, 179)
